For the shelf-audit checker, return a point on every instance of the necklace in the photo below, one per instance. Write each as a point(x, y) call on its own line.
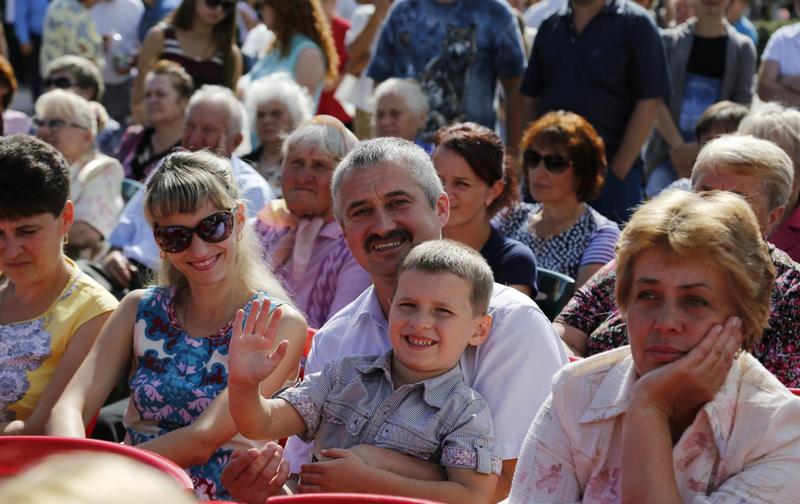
point(3, 300)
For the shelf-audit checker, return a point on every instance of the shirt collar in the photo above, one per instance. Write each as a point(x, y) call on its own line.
point(371, 310)
point(610, 7)
point(436, 390)
point(331, 230)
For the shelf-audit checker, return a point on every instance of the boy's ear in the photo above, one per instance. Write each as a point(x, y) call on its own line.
point(482, 328)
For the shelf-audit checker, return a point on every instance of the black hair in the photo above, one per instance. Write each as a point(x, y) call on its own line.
point(34, 178)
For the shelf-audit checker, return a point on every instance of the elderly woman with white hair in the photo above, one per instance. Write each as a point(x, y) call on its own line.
point(277, 105)
point(400, 110)
point(301, 238)
point(781, 126)
point(70, 123)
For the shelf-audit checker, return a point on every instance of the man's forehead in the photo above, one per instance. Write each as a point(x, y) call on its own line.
point(383, 179)
point(208, 113)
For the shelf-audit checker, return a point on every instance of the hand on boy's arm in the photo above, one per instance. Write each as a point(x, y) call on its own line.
point(254, 475)
point(348, 473)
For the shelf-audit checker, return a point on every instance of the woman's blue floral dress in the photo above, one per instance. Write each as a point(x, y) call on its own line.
point(175, 377)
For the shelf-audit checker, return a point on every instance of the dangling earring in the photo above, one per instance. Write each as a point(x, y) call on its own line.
point(162, 254)
point(65, 240)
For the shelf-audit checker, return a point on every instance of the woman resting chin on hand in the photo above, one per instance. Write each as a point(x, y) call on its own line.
point(682, 414)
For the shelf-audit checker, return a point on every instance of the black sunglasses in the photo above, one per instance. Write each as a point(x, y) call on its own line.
point(58, 82)
point(226, 5)
point(213, 229)
point(553, 163)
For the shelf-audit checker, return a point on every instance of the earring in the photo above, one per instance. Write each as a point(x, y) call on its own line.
point(162, 254)
point(65, 240)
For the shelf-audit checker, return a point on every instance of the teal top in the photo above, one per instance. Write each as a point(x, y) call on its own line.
point(274, 61)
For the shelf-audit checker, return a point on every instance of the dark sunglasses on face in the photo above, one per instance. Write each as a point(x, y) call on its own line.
point(213, 229)
point(227, 5)
point(54, 124)
point(553, 163)
point(58, 82)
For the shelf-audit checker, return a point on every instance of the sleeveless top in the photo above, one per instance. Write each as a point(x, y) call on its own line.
point(590, 240)
point(274, 62)
point(208, 71)
point(30, 350)
point(175, 377)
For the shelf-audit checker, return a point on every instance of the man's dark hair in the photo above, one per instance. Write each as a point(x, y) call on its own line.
point(34, 178)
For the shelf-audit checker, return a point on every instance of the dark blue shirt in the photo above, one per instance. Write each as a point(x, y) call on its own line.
point(512, 262)
point(457, 51)
point(617, 60)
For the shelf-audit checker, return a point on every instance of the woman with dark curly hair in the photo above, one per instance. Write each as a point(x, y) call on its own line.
point(478, 180)
point(200, 35)
point(565, 163)
point(303, 45)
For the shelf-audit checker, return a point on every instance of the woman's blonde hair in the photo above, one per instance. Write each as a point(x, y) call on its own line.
point(187, 181)
point(718, 226)
point(72, 107)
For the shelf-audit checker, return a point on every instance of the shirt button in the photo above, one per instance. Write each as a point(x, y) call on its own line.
point(481, 442)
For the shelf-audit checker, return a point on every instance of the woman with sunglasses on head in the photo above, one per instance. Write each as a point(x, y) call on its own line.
point(70, 123)
point(565, 164)
point(200, 35)
point(303, 45)
point(470, 160)
point(176, 334)
point(50, 313)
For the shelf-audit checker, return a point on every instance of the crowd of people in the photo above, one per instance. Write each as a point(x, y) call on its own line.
point(301, 245)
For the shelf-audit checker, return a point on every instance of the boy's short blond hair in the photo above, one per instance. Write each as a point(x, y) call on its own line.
point(448, 256)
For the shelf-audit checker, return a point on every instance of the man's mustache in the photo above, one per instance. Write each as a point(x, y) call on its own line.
point(397, 234)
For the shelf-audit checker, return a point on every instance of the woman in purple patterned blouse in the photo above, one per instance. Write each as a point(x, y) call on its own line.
point(301, 239)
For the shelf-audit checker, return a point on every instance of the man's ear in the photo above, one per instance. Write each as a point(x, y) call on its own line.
point(483, 327)
point(443, 208)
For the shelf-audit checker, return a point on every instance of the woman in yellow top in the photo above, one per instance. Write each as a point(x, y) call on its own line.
point(50, 313)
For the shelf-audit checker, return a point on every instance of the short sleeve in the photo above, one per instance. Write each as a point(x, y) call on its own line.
point(649, 74)
point(509, 54)
point(600, 249)
point(100, 198)
point(308, 398)
point(361, 17)
point(593, 303)
point(469, 445)
point(774, 48)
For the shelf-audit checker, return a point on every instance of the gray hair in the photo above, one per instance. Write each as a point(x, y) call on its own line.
point(73, 107)
point(329, 138)
point(779, 124)
point(87, 74)
point(388, 150)
point(219, 95)
point(282, 88)
point(747, 155)
point(407, 89)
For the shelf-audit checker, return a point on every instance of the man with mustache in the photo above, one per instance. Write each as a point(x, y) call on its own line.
point(387, 197)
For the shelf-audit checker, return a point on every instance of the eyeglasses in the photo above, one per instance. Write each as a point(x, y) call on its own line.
point(55, 124)
point(58, 82)
point(213, 229)
point(227, 5)
point(553, 163)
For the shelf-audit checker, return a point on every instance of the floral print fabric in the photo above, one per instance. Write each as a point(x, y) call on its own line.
point(175, 378)
point(743, 446)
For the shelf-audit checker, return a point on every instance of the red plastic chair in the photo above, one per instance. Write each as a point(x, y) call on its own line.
point(795, 391)
point(17, 453)
point(342, 498)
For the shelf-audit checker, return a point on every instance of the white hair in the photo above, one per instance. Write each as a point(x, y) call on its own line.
point(73, 107)
point(407, 89)
point(779, 124)
point(219, 95)
point(747, 155)
point(282, 88)
point(334, 142)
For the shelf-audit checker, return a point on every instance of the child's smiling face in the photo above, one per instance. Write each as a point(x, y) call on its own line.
point(431, 322)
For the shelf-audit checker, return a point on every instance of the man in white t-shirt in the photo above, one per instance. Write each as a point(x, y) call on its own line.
point(388, 198)
point(779, 76)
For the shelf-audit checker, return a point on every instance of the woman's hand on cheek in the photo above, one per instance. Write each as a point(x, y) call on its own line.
point(691, 381)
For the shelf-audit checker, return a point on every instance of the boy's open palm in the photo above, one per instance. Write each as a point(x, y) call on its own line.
point(252, 358)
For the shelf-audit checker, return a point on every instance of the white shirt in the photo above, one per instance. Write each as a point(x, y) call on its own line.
point(784, 48)
point(512, 370)
point(538, 12)
point(118, 17)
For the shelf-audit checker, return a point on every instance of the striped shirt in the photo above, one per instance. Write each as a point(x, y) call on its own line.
point(203, 71)
point(353, 401)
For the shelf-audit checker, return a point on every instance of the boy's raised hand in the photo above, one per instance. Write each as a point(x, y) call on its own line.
point(252, 358)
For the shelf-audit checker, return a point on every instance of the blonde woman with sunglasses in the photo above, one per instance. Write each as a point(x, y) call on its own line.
point(564, 163)
point(177, 334)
